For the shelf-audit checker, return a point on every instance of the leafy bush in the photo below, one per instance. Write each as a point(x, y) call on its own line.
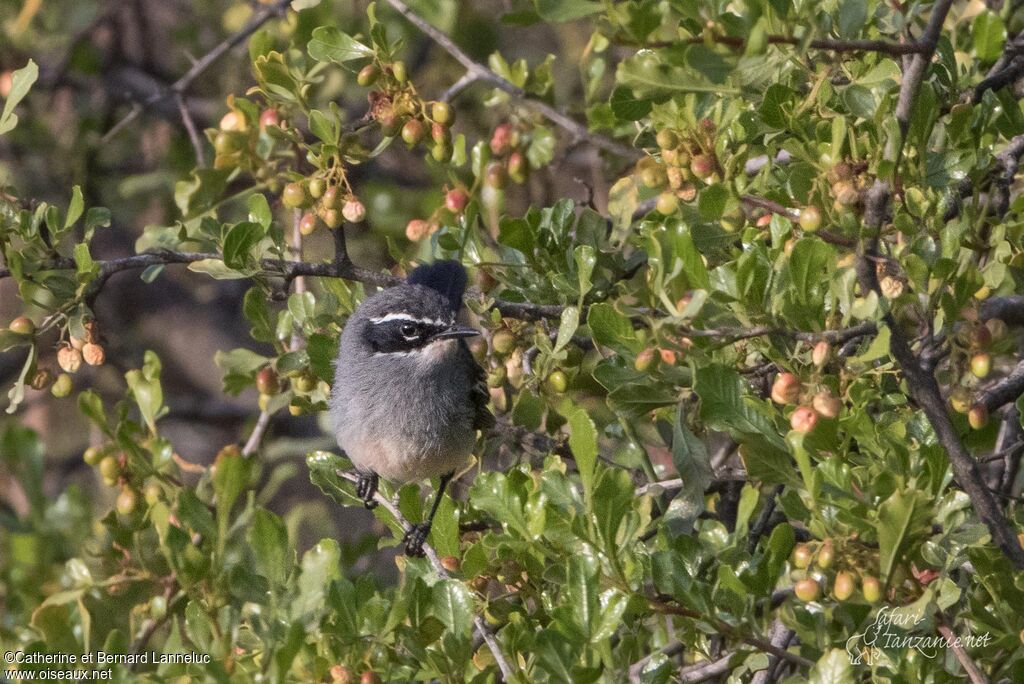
point(754, 395)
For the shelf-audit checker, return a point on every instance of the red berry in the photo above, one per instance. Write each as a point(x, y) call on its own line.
point(786, 389)
point(803, 419)
point(501, 139)
point(456, 200)
point(269, 117)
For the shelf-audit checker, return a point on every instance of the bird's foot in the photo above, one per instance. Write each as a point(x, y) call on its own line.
point(366, 489)
point(415, 538)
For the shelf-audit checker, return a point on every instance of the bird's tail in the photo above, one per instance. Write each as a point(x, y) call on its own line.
point(447, 277)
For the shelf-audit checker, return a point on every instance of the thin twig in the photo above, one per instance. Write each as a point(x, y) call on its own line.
point(479, 72)
point(260, 17)
point(702, 672)
point(669, 651)
point(973, 672)
point(832, 44)
point(507, 670)
point(190, 127)
point(256, 436)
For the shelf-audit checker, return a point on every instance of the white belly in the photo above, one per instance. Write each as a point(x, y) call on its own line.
point(399, 460)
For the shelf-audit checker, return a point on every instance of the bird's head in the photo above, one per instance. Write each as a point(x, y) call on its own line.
point(418, 317)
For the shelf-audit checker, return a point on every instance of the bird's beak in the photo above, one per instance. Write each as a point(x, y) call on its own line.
point(456, 332)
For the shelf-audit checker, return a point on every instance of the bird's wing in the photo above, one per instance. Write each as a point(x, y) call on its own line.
point(479, 395)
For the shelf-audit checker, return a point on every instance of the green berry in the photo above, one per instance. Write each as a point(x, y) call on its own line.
point(294, 195)
point(441, 112)
point(368, 75)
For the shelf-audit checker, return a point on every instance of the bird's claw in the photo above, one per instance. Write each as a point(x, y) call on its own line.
point(415, 538)
point(366, 489)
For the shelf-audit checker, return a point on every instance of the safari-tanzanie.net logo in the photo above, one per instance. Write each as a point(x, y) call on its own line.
point(895, 629)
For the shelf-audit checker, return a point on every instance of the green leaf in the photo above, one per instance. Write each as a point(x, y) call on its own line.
point(148, 395)
point(723, 406)
point(565, 10)
point(331, 45)
point(21, 82)
point(611, 329)
point(852, 16)
point(834, 667)
point(988, 33)
point(583, 443)
point(899, 519)
point(627, 106)
point(268, 539)
point(239, 242)
point(690, 457)
point(570, 321)
point(230, 478)
point(452, 604)
point(259, 210)
point(75, 207)
point(320, 566)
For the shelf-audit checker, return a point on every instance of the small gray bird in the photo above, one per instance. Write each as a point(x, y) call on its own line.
point(408, 396)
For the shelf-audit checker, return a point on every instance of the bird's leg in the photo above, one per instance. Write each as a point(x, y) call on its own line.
point(417, 534)
point(366, 488)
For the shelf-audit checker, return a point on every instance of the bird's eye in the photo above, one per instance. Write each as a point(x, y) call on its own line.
point(409, 330)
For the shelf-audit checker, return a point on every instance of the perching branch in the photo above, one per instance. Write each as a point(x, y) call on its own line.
point(507, 670)
point(478, 72)
point(1007, 390)
point(922, 384)
point(260, 17)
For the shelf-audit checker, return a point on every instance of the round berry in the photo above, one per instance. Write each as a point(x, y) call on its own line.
point(810, 219)
point(871, 588)
point(368, 75)
point(807, 589)
point(127, 500)
point(667, 139)
point(294, 195)
point(786, 389)
point(269, 117)
point(801, 557)
point(441, 112)
point(413, 132)
point(977, 417)
point(307, 224)
point(455, 201)
point(416, 230)
point(981, 365)
point(503, 342)
point(803, 419)
point(557, 382)
point(61, 386)
point(22, 325)
point(267, 381)
point(844, 585)
point(354, 211)
point(667, 203)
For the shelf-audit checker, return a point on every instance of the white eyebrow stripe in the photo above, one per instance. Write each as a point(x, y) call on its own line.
point(407, 317)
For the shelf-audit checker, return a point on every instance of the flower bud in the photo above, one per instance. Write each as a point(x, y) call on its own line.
point(820, 353)
point(455, 201)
